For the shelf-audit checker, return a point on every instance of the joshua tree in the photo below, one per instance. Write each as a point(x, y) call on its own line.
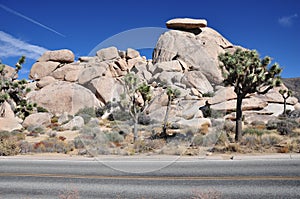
point(135, 99)
point(172, 94)
point(13, 91)
point(247, 73)
point(285, 95)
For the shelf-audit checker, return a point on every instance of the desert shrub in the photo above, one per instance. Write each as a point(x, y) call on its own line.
point(9, 147)
point(198, 140)
point(86, 113)
point(294, 114)
point(286, 127)
point(223, 139)
point(217, 114)
point(51, 145)
point(229, 126)
point(208, 94)
point(144, 119)
point(54, 119)
point(25, 147)
point(254, 131)
point(35, 130)
point(114, 136)
point(119, 115)
point(41, 109)
point(250, 140)
point(4, 135)
point(270, 139)
point(18, 135)
point(258, 124)
point(272, 124)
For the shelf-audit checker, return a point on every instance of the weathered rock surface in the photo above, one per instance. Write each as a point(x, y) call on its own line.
point(37, 119)
point(200, 52)
point(42, 69)
point(62, 56)
point(45, 81)
point(76, 122)
point(222, 95)
point(186, 23)
point(252, 103)
point(9, 72)
point(9, 124)
point(61, 97)
point(108, 53)
point(195, 79)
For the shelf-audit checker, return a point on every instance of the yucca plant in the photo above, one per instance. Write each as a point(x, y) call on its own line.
point(247, 73)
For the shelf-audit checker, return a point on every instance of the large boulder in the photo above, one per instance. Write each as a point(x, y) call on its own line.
point(8, 121)
point(76, 122)
point(42, 69)
point(45, 81)
point(37, 119)
point(62, 56)
point(252, 103)
point(60, 73)
point(195, 79)
point(90, 73)
point(200, 52)
point(222, 95)
point(61, 97)
point(10, 72)
point(108, 53)
point(105, 88)
point(186, 23)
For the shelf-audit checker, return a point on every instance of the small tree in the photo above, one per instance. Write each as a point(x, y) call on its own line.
point(172, 94)
point(285, 95)
point(135, 99)
point(247, 73)
point(14, 91)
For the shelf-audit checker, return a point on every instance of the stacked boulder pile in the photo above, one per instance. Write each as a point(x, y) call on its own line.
point(185, 58)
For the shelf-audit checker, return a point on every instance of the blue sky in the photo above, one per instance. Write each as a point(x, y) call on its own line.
point(32, 26)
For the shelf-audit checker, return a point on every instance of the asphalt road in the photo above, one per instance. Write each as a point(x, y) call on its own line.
point(149, 178)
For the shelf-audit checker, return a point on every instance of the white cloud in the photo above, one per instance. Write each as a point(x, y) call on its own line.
point(287, 21)
point(13, 47)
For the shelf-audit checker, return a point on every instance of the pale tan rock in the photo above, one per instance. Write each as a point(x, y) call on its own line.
point(297, 106)
point(73, 75)
point(91, 73)
point(61, 72)
point(105, 88)
point(195, 79)
point(9, 72)
point(62, 56)
point(37, 119)
point(132, 62)
point(9, 124)
point(61, 97)
point(42, 69)
point(222, 95)
point(76, 122)
point(131, 53)
point(44, 81)
point(122, 64)
point(186, 23)
point(6, 110)
point(274, 96)
point(108, 53)
point(171, 66)
point(252, 103)
point(200, 52)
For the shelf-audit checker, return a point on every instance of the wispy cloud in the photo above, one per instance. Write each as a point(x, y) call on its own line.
point(287, 21)
point(12, 47)
point(31, 20)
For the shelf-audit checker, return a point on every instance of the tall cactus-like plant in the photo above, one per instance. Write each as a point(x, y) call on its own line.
point(172, 94)
point(247, 73)
point(285, 95)
point(135, 98)
point(14, 91)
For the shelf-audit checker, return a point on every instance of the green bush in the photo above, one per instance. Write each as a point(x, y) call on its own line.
point(208, 94)
point(254, 131)
point(114, 136)
point(286, 127)
point(86, 113)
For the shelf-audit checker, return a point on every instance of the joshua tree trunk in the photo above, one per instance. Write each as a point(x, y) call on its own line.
point(164, 130)
point(239, 118)
point(135, 132)
point(284, 106)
